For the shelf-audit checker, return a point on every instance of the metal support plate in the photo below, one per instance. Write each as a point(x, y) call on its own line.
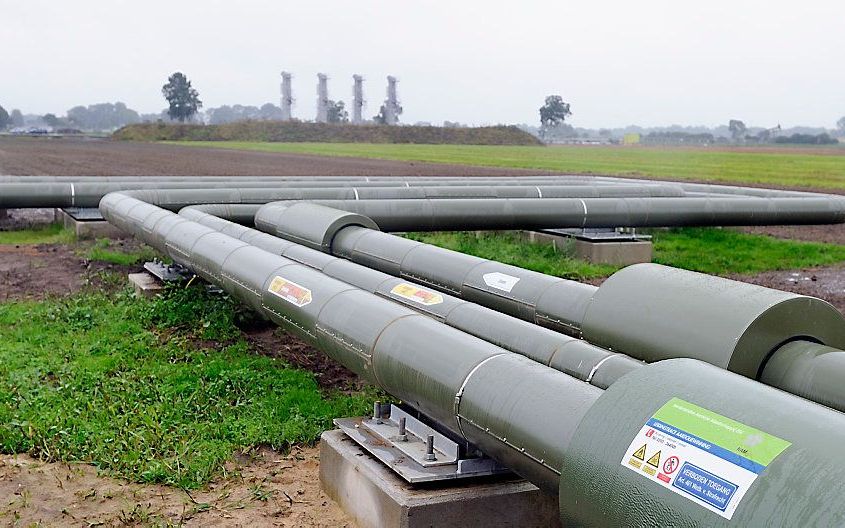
point(407, 457)
point(84, 214)
point(600, 234)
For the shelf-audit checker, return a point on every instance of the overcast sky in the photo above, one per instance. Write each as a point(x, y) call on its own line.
point(479, 62)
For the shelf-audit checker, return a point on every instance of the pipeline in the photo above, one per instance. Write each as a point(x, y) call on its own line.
point(572, 356)
point(646, 311)
point(89, 194)
point(565, 435)
point(463, 214)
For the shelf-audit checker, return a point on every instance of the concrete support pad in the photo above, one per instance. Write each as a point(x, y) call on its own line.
point(623, 253)
point(145, 284)
point(374, 496)
point(603, 252)
point(88, 229)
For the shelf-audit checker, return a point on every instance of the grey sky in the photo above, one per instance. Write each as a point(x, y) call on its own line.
point(481, 61)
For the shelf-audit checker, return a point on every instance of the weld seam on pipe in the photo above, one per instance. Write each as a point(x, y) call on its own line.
point(375, 346)
point(456, 409)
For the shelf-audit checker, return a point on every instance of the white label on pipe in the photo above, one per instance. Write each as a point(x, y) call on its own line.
point(500, 281)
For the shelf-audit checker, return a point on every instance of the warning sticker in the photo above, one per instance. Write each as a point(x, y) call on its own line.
point(290, 291)
point(500, 281)
point(707, 458)
point(417, 294)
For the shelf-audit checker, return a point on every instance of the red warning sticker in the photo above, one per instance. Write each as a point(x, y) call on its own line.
point(417, 294)
point(290, 291)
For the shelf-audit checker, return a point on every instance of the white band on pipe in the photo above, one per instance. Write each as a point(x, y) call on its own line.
point(539, 192)
point(584, 205)
point(72, 195)
point(355, 190)
point(593, 371)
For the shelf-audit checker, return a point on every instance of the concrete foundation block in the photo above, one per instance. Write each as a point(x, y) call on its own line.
point(145, 284)
point(88, 229)
point(374, 496)
point(620, 253)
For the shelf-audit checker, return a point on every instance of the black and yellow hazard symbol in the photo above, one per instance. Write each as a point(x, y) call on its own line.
point(640, 453)
point(654, 460)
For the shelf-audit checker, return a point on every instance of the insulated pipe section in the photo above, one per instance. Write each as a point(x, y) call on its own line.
point(575, 357)
point(681, 443)
point(452, 377)
point(652, 312)
point(655, 312)
point(462, 214)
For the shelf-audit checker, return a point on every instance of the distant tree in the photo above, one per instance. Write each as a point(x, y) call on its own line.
point(554, 111)
point(183, 99)
point(16, 118)
point(51, 120)
point(337, 112)
point(270, 112)
point(841, 124)
point(737, 129)
point(4, 118)
point(101, 116)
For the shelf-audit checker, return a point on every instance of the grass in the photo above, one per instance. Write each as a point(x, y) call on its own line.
point(786, 167)
point(707, 250)
point(49, 234)
point(90, 378)
point(725, 251)
point(510, 248)
point(101, 251)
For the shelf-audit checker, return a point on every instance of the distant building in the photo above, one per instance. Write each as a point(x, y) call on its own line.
point(631, 139)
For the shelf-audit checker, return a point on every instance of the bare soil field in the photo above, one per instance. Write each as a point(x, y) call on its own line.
point(101, 157)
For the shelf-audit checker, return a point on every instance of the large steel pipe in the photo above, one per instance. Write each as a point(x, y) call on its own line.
point(89, 193)
point(572, 356)
point(528, 213)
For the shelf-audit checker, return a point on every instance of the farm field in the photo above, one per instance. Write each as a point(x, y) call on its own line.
point(822, 168)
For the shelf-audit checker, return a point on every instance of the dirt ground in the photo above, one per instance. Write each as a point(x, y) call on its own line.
point(263, 488)
point(100, 157)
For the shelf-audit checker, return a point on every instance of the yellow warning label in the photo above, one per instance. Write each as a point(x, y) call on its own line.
point(650, 470)
point(654, 460)
point(640, 453)
point(417, 294)
point(290, 291)
point(635, 463)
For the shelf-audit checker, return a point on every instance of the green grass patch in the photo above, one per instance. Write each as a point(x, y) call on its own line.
point(784, 167)
point(513, 249)
point(89, 378)
point(104, 250)
point(49, 234)
point(725, 251)
point(708, 250)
